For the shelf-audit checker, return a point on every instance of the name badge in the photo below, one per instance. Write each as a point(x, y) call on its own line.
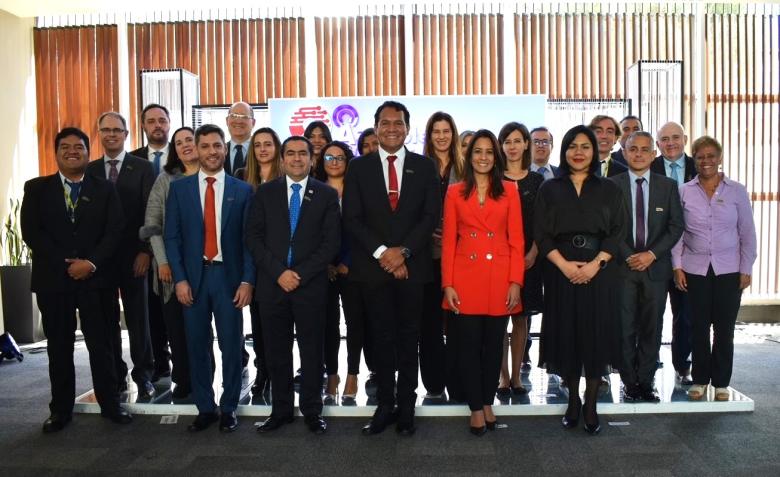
point(659, 209)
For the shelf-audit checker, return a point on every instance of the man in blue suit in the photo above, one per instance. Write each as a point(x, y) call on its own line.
point(213, 273)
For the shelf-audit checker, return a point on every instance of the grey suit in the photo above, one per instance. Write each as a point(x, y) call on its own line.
point(642, 295)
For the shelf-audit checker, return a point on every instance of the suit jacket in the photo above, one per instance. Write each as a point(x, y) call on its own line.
point(615, 168)
point(134, 183)
point(665, 223)
point(556, 171)
point(142, 152)
point(370, 222)
point(483, 249)
point(315, 243)
point(659, 167)
point(52, 237)
point(231, 169)
point(184, 233)
point(617, 156)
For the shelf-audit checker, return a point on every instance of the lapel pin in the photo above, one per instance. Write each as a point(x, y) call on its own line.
point(84, 198)
point(659, 209)
point(229, 199)
point(409, 171)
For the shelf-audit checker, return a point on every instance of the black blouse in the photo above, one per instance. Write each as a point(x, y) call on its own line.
point(598, 211)
point(528, 188)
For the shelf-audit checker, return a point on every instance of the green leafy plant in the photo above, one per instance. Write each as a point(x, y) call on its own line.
point(15, 251)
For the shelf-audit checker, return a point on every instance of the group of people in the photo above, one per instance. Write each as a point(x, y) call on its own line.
point(429, 256)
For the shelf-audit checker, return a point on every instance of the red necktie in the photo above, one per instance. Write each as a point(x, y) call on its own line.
point(210, 221)
point(392, 182)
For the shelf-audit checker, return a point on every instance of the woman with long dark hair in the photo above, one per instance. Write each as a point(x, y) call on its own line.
point(367, 142)
point(318, 133)
point(482, 271)
point(579, 223)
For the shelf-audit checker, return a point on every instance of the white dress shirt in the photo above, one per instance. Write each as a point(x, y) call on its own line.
point(219, 192)
point(399, 173)
point(120, 158)
point(301, 192)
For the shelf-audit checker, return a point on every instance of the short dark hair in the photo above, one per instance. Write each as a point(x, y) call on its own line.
point(631, 116)
point(362, 139)
point(319, 168)
point(322, 126)
point(309, 145)
point(152, 106)
point(391, 104)
point(496, 174)
point(71, 131)
point(568, 138)
point(174, 161)
point(542, 129)
point(208, 129)
point(508, 129)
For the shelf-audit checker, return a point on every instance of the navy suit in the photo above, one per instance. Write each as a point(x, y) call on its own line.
point(213, 284)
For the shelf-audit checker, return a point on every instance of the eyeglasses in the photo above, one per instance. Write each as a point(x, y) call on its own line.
point(111, 130)
point(239, 116)
point(542, 142)
point(329, 158)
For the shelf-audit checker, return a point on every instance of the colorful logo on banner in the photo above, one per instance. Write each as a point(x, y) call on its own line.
point(304, 115)
point(343, 122)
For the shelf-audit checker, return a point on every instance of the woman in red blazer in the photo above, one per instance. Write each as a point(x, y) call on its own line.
point(482, 270)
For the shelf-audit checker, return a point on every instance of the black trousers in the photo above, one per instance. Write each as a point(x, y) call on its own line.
point(58, 315)
point(432, 348)
point(332, 331)
point(394, 310)
point(715, 301)
point(158, 332)
point(480, 348)
point(134, 301)
point(642, 302)
point(258, 345)
point(278, 320)
point(681, 329)
point(356, 317)
point(174, 324)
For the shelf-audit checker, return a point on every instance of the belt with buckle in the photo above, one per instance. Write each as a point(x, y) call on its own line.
point(588, 242)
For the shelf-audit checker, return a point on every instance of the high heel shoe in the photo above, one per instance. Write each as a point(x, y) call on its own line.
point(517, 390)
point(478, 431)
point(591, 429)
point(572, 423)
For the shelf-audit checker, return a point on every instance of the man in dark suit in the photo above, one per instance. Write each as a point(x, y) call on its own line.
point(607, 132)
point(541, 149)
point(391, 205)
point(213, 273)
point(293, 233)
point(73, 224)
point(156, 123)
point(656, 218)
point(133, 179)
point(628, 126)
point(674, 163)
point(240, 122)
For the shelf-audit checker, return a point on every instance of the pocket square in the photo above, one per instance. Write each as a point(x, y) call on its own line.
point(659, 209)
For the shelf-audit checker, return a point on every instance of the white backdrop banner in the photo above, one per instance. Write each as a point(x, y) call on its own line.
point(348, 117)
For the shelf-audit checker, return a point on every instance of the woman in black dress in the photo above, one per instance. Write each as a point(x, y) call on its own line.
point(515, 141)
point(579, 221)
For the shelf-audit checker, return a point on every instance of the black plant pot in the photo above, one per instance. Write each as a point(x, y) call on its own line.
point(20, 310)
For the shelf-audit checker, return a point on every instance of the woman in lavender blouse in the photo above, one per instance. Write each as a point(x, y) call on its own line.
point(713, 262)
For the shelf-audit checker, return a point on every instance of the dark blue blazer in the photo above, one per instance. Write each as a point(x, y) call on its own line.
point(184, 232)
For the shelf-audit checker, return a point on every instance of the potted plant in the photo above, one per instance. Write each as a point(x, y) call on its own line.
point(20, 311)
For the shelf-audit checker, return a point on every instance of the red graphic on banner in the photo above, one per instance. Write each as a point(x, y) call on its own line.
point(304, 115)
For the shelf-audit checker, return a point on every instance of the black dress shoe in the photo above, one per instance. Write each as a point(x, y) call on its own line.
point(371, 385)
point(405, 428)
point(121, 386)
point(56, 423)
point(161, 373)
point(118, 416)
point(146, 390)
point(571, 422)
point(181, 391)
point(632, 393)
point(478, 431)
point(273, 423)
point(203, 421)
point(383, 417)
point(228, 421)
point(649, 395)
point(316, 424)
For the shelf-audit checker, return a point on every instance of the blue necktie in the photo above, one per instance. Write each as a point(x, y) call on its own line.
point(156, 162)
point(73, 196)
point(543, 171)
point(675, 175)
point(295, 210)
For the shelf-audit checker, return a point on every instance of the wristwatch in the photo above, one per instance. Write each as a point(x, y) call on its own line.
point(406, 252)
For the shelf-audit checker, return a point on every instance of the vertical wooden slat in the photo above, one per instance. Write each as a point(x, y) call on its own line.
point(351, 58)
point(225, 37)
point(327, 55)
point(476, 53)
point(278, 66)
point(236, 51)
point(386, 56)
point(395, 57)
point(362, 55)
point(377, 59)
point(343, 57)
point(286, 57)
point(253, 75)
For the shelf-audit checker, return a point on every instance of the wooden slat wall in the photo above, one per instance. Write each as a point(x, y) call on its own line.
point(76, 76)
point(237, 60)
point(458, 53)
point(743, 112)
point(360, 56)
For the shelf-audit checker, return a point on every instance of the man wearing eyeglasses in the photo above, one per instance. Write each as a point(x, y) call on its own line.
point(240, 122)
point(541, 148)
point(133, 178)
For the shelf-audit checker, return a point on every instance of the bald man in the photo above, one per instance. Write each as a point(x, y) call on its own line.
point(240, 122)
point(676, 164)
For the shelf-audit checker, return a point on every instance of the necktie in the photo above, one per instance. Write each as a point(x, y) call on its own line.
point(295, 210)
point(675, 175)
point(603, 168)
point(156, 162)
point(543, 171)
point(238, 159)
point(392, 182)
point(72, 197)
point(210, 221)
point(113, 172)
point(640, 215)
